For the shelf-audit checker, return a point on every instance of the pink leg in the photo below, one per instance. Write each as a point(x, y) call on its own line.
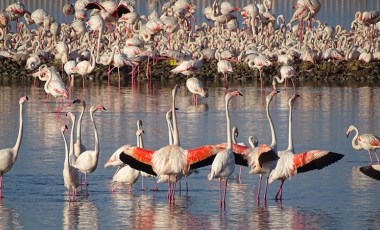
point(220, 192)
point(279, 190)
point(294, 86)
point(266, 189)
point(225, 193)
point(169, 195)
point(187, 184)
point(86, 181)
point(376, 156)
point(155, 184)
point(370, 157)
point(115, 187)
point(259, 189)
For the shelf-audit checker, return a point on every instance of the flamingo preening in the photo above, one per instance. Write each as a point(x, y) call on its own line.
point(195, 86)
point(9, 156)
point(365, 141)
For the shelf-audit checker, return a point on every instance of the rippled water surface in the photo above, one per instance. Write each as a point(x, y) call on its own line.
point(337, 197)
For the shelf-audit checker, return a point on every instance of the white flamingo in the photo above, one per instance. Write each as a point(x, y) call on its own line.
point(365, 141)
point(195, 86)
point(9, 156)
point(88, 160)
point(223, 165)
point(78, 146)
point(70, 174)
point(286, 72)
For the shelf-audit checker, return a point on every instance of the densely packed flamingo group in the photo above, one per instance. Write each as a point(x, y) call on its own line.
point(113, 34)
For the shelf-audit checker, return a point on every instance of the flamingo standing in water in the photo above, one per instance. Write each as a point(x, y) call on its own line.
point(365, 141)
point(223, 165)
point(54, 85)
point(9, 156)
point(195, 86)
point(286, 72)
point(171, 159)
point(88, 160)
point(70, 174)
point(290, 164)
point(140, 144)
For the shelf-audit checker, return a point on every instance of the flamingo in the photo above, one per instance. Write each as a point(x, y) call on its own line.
point(223, 165)
point(286, 72)
point(54, 85)
point(365, 141)
point(88, 160)
point(235, 134)
point(96, 23)
point(126, 175)
point(109, 10)
point(68, 9)
point(9, 156)
point(195, 86)
point(290, 164)
point(260, 161)
point(78, 146)
point(140, 144)
point(85, 67)
point(170, 160)
point(70, 174)
point(372, 171)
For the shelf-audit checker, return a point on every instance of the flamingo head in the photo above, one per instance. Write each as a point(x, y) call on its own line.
point(77, 101)
point(23, 99)
point(100, 107)
point(71, 115)
point(63, 128)
point(349, 130)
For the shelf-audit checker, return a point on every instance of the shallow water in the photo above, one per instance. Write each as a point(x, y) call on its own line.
point(337, 197)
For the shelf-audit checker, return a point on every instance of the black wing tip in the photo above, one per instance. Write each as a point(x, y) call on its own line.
point(206, 162)
point(135, 164)
point(320, 163)
point(267, 157)
point(370, 171)
point(239, 160)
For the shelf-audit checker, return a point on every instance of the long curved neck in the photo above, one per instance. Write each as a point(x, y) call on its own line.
point(46, 86)
point(95, 133)
point(80, 124)
point(111, 56)
point(229, 137)
point(290, 137)
point(280, 80)
point(273, 145)
point(19, 137)
point(71, 152)
point(175, 128)
point(141, 141)
point(170, 131)
point(354, 144)
point(66, 163)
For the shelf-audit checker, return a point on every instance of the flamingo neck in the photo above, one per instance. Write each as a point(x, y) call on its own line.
point(95, 134)
point(354, 140)
point(175, 127)
point(78, 141)
point(229, 137)
point(71, 152)
point(66, 163)
point(280, 80)
point(46, 86)
point(111, 56)
point(19, 137)
point(170, 131)
point(273, 145)
point(141, 144)
point(290, 135)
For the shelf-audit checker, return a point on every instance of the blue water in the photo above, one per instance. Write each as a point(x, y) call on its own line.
point(337, 197)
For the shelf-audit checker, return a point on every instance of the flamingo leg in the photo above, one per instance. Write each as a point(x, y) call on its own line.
point(115, 187)
point(370, 157)
point(279, 190)
point(225, 192)
point(376, 156)
point(294, 86)
point(220, 192)
point(259, 189)
point(266, 189)
point(240, 172)
point(142, 184)
point(155, 184)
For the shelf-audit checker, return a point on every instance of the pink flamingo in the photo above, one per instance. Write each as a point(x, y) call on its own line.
point(290, 164)
point(16, 10)
point(88, 160)
point(54, 85)
point(85, 67)
point(9, 156)
point(79, 146)
point(96, 23)
point(223, 165)
point(365, 141)
point(195, 86)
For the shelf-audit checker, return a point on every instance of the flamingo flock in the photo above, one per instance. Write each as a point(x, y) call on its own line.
point(173, 34)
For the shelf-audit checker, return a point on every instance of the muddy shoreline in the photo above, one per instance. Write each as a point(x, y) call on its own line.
point(339, 71)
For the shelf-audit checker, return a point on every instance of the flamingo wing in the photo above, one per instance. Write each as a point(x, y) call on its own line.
point(236, 148)
point(202, 156)
point(120, 10)
point(314, 159)
point(372, 171)
point(138, 158)
point(266, 154)
point(94, 5)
